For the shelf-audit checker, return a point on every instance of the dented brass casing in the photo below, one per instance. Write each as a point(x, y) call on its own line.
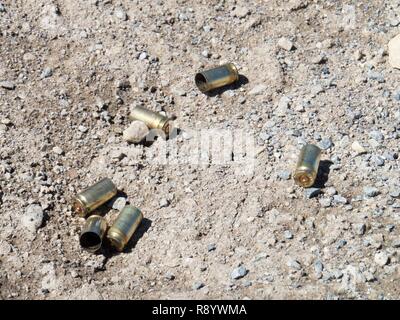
point(216, 77)
point(124, 227)
point(307, 166)
point(92, 233)
point(153, 120)
point(93, 197)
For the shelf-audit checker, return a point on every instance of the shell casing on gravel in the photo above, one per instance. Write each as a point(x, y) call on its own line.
point(153, 120)
point(307, 166)
point(92, 233)
point(124, 227)
point(216, 77)
point(93, 197)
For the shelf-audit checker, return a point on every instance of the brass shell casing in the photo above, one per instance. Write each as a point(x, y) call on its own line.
point(124, 227)
point(93, 233)
point(307, 166)
point(216, 77)
point(153, 120)
point(93, 197)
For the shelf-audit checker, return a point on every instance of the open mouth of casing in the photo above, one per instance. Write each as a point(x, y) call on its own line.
point(201, 82)
point(90, 241)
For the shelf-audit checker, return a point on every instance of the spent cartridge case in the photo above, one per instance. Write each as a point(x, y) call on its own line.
point(93, 233)
point(307, 166)
point(153, 120)
point(124, 227)
point(216, 77)
point(93, 197)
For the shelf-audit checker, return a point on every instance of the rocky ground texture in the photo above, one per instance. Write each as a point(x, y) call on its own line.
point(313, 72)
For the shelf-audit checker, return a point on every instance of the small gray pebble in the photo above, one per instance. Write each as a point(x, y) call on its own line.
point(337, 274)
point(198, 285)
point(294, 264)
point(339, 199)
point(47, 72)
point(325, 202)
point(318, 266)
point(239, 272)
point(396, 243)
point(82, 129)
point(376, 135)
point(247, 283)
point(284, 175)
point(330, 191)
point(396, 96)
point(360, 228)
point(370, 192)
point(211, 247)
point(340, 244)
point(390, 156)
point(164, 203)
point(169, 276)
point(369, 277)
point(9, 85)
point(265, 136)
point(288, 234)
point(373, 75)
point(395, 193)
point(325, 143)
point(312, 192)
point(390, 227)
point(242, 100)
point(378, 161)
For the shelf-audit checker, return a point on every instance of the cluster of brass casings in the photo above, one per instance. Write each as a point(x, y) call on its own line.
point(95, 227)
point(130, 217)
point(307, 166)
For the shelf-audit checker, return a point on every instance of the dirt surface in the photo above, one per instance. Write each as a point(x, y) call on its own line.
point(312, 72)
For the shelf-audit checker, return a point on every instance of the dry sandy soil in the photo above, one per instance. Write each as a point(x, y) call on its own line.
point(312, 72)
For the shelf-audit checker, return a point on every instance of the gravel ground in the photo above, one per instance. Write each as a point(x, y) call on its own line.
point(312, 72)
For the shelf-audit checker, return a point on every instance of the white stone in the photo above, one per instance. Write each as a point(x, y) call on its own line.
point(258, 89)
point(394, 52)
point(117, 203)
point(357, 147)
point(241, 12)
point(285, 44)
point(121, 14)
point(381, 259)
point(143, 56)
point(82, 129)
point(58, 150)
point(283, 106)
point(33, 217)
point(136, 132)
